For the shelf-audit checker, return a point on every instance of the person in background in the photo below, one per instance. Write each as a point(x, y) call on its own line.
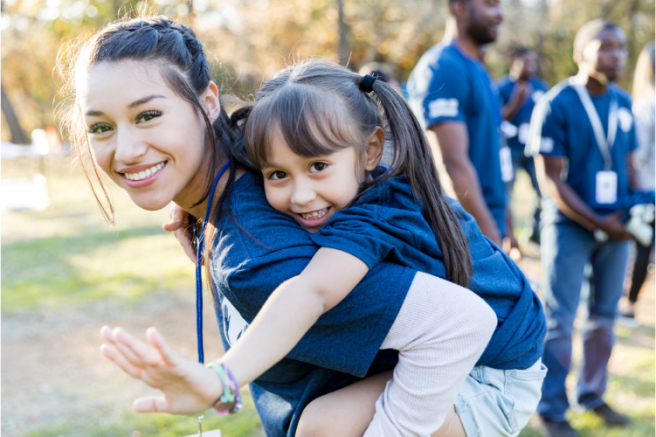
point(455, 99)
point(587, 122)
point(643, 161)
point(520, 90)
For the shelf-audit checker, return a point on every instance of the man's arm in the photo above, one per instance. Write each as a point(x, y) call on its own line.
point(634, 180)
point(548, 169)
point(453, 141)
point(517, 99)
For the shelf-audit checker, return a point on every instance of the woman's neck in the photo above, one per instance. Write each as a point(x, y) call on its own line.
point(199, 211)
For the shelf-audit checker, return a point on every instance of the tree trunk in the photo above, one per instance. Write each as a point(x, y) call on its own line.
point(343, 51)
point(17, 133)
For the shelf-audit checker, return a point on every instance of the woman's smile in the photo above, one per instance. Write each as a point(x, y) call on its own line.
point(143, 135)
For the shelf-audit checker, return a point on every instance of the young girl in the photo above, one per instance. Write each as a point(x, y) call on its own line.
point(316, 133)
point(148, 115)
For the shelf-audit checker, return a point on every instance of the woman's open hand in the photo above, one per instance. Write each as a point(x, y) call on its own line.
point(187, 386)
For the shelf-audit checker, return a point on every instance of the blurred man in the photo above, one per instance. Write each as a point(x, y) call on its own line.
point(454, 97)
point(520, 90)
point(583, 135)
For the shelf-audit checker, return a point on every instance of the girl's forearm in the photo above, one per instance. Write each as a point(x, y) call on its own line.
point(287, 315)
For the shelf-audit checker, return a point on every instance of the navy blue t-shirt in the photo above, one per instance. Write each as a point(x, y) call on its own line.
point(387, 224)
point(560, 127)
point(449, 86)
point(344, 343)
point(522, 119)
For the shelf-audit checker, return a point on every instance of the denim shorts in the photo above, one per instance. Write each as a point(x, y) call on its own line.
point(494, 402)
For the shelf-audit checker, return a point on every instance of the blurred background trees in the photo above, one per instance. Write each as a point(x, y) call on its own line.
point(249, 39)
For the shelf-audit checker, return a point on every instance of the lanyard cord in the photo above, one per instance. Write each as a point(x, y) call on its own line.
point(199, 281)
point(605, 144)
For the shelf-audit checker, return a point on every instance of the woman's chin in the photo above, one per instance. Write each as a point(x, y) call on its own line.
point(149, 204)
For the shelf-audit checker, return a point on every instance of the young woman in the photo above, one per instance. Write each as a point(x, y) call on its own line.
point(150, 117)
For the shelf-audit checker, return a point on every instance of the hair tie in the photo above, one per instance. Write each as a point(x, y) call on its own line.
point(367, 83)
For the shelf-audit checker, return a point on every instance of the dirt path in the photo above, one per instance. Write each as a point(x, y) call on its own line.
point(54, 374)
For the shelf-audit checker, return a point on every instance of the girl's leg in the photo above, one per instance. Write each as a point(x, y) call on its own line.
point(440, 332)
point(348, 412)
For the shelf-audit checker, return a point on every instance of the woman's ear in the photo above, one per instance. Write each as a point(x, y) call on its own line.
point(210, 101)
point(375, 146)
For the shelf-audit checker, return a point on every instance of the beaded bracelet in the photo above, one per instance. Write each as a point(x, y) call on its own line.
point(231, 391)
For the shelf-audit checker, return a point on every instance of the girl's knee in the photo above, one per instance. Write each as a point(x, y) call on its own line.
point(314, 421)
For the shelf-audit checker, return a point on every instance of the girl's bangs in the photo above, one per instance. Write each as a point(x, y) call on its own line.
point(308, 120)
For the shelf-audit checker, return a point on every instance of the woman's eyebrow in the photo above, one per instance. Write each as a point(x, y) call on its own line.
point(145, 100)
point(134, 104)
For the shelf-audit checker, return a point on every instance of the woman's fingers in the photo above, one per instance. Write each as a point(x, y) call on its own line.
point(169, 356)
point(151, 404)
point(118, 359)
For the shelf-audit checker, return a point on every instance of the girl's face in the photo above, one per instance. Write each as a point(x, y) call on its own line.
point(147, 139)
point(312, 189)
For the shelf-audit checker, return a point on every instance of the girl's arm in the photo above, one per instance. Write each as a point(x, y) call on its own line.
point(291, 310)
point(189, 387)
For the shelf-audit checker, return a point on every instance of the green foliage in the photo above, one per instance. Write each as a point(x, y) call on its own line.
point(251, 39)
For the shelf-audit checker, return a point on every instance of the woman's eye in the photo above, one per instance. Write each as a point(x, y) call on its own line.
point(147, 115)
point(277, 175)
point(318, 166)
point(99, 128)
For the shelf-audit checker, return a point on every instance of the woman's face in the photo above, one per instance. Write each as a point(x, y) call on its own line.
point(147, 139)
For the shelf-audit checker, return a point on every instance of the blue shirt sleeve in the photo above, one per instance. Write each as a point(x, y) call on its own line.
point(445, 94)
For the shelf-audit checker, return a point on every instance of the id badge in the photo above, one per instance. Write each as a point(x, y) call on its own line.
point(522, 136)
point(505, 159)
point(606, 191)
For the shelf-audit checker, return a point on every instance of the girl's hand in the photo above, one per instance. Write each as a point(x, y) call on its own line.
point(187, 386)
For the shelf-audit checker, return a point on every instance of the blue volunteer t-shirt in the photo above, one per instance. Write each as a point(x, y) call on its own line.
point(449, 86)
point(387, 224)
point(249, 263)
point(522, 119)
point(560, 127)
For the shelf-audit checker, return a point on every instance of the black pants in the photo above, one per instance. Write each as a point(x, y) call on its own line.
point(640, 268)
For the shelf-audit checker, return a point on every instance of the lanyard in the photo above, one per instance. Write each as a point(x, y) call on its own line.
point(199, 281)
point(605, 144)
point(474, 66)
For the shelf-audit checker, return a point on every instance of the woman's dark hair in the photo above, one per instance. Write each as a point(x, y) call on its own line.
point(184, 67)
point(318, 108)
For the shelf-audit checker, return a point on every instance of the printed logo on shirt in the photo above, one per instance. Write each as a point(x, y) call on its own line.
point(625, 118)
point(536, 95)
point(443, 108)
point(234, 324)
point(546, 145)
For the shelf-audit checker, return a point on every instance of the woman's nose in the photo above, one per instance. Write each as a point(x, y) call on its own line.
point(130, 147)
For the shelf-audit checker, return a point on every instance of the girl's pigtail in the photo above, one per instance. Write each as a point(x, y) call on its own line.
point(413, 157)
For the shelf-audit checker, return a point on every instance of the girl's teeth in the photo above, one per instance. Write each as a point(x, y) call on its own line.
point(315, 215)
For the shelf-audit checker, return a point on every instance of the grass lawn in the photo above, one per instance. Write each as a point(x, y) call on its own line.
point(66, 273)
